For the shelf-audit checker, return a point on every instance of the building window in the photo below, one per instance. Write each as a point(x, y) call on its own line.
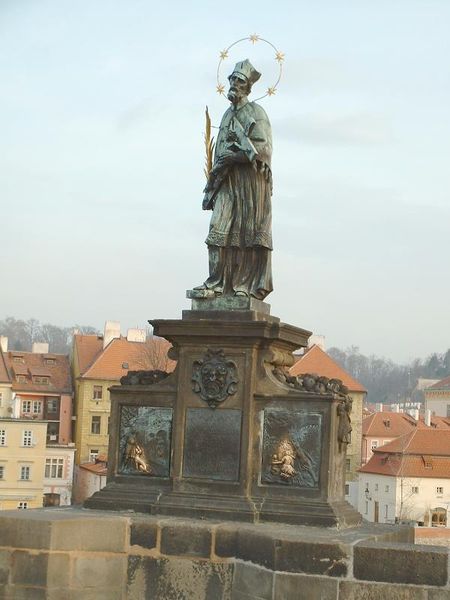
point(93, 453)
point(22, 505)
point(2, 437)
point(376, 487)
point(414, 489)
point(439, 517)
point(26, 406)
point(27, 439)
point(21, 378)
point(95, 424)
point(439, 491)
point(41, 379)
point(52, 432)
point(37, 407)
point(386, 511)
point(1, 399)
point(25, 473)
point(347, 489)
point(373, 445)
point(54, 468)
point(2, 472)
point(347, 465)
point(18, 359)
point(386, 489)
point(50, 361)
point(366, 508)
point(52, 405)
point(98, 392)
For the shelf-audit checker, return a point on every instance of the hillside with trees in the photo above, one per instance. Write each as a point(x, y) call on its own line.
point(385, 380)
point(22, 334)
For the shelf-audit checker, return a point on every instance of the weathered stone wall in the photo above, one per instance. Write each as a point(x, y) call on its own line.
point(67, 554)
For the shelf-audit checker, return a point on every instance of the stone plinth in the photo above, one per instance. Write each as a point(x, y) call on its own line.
point(222, 437)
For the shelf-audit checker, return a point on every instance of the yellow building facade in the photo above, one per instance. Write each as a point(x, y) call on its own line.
point(22, 463)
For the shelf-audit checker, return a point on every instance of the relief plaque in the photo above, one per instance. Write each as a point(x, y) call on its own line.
point(144, 441)
point(291, 448)
point(212, 444)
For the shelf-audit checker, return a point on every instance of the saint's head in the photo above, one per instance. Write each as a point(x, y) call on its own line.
point(242, 78)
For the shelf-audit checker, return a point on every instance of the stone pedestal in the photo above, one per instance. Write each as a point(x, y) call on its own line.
point(222, 437)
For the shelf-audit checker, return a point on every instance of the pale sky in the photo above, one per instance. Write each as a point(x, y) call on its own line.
point(101, 171)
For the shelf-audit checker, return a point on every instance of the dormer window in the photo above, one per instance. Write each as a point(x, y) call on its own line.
point(387, 423)
point(21, 378)
point(18, 359)
point(41, 379)
point(50, 361)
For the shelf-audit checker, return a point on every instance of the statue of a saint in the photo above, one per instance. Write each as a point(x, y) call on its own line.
point(238, 192)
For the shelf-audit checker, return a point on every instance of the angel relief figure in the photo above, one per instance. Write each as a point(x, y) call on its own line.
point(135, 456)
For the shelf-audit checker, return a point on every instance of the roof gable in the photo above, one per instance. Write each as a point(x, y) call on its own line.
point(315, 360)
point(443, 384)
point(387, 424)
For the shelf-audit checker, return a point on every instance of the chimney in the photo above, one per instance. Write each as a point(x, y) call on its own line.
point(396, 408)
point(379, 407)
point(317, 340)
point(428, 418)
point(4, 343)
point(39, 348)
point(414, 413)
point(136, 335)
point(112, 331)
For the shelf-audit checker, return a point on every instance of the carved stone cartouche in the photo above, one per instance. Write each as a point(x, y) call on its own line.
point(214, 377)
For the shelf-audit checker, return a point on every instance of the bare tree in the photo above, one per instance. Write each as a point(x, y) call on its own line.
point(153, 355)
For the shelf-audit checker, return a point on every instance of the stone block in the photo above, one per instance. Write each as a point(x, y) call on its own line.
point(18, 592)
point(93, 533)
point(29, 568)
point(5, 566)
point(58, 570)
point(351, 590)
point(188, 540)
point(237, 595)
point(312, 557)
point(401, 563)
point(25, 529)
point(103, 594)
point(304, 587)
point(226, 541)
point(99, 572)
point(253, 580)
point(173, 579)
point(143, 534)
point(257, 548)
point(438, 594)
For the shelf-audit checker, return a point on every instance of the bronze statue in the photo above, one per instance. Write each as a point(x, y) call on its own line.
point(238, 192)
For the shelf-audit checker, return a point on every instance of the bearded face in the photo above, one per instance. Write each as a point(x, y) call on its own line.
point(239, 88)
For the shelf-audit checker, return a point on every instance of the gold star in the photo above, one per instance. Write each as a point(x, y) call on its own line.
point(254, 38)
point(279, 56)
point(224, 54)
point(220, 89)
point(271, 91)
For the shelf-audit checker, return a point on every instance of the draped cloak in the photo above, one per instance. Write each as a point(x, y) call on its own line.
point(240, 233)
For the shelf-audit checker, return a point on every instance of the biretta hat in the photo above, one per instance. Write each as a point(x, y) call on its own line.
point(247, 70)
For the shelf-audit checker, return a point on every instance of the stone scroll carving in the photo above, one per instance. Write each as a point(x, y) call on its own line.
point(143, 377)
point(214, 377)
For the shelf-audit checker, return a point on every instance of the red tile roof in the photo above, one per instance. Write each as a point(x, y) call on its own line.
point(387, 424)
point(315, 360)
point(443, 384)
point(120, 356)
point(60, 380)
point(420, 453)
point(98, 468)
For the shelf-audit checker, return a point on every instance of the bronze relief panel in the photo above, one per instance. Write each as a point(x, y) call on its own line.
point(291, 451)
point(144, 440)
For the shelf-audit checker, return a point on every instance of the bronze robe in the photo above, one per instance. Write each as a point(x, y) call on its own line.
point(240, 234)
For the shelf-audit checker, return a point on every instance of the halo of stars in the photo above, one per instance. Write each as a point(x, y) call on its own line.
point(254, 38)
